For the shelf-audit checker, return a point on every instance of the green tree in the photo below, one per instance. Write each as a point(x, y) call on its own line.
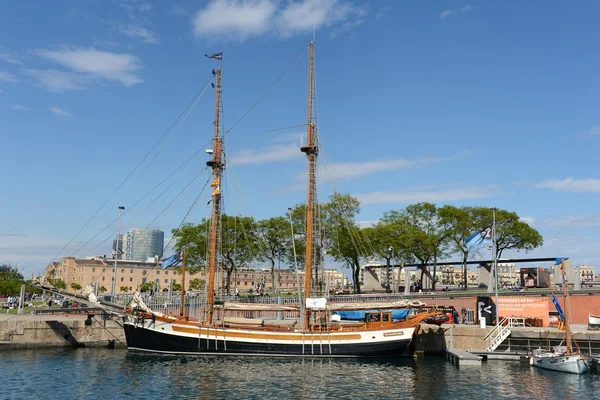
point(10, 280)
point(425, 217)
point(197, 284)
point(146, 286)
point(459, 223)
point(60, 284)
point(102, 289)
point(75, 286)
point(346, 243)
point(511, 232)
point(176, 287)
point(239, 244)
point(389, 240)
point(195, 239)
point(298, 218)
point(274, 242)
point(237, 247)
point(124, 289)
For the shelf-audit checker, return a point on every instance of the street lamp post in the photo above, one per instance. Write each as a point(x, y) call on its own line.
point(495, 252)
point(393, 277)
point(114, 282)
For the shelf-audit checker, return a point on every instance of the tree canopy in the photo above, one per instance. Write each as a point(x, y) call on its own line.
point(421, 233)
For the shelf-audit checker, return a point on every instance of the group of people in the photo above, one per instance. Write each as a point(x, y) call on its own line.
point(12, 302)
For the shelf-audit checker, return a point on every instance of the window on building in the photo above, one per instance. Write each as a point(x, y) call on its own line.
point(122, 270)
point(166, 272)
point(143, 280)
point(144, 272)
point(130, 288)
point(130, 279)
point(131, 271)
point(93, 269)
point(103, 269)
point(157, 272)
point(166, 281)
point(102, 279)
point(121, 279)
point(93, 278)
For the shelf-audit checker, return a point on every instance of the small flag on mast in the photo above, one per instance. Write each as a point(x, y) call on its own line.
point(216, 56)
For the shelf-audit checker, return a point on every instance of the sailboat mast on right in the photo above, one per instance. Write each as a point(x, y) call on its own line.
point(563, 358)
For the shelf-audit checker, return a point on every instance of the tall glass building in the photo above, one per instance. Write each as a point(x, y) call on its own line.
point(141, 245)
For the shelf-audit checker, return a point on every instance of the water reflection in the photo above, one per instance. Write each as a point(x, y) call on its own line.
point(84, 373)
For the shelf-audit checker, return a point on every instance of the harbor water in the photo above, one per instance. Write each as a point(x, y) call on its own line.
point(118, 374)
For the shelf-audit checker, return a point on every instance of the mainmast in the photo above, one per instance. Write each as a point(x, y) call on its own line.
point(566, 312)
point(217, 166)
point(311, 150)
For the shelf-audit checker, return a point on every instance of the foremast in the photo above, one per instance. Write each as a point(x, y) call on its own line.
point(217, 165)
point(311, 150)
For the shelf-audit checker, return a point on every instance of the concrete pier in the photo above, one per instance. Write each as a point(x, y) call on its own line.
point(30, 331)
point(462, 358)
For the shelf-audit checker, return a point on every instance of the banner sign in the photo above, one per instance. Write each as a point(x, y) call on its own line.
point(526, 307)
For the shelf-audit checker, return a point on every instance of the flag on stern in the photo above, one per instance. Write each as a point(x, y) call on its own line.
point(216, 56)
point(478, 238)
point(171, 261)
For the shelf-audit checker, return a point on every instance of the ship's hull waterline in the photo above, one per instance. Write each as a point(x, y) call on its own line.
point(166, 337)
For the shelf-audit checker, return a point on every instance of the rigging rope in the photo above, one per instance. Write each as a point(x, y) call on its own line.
point(129, 175)
point(267, 92)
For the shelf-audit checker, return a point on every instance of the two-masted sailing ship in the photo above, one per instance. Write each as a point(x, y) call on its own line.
point(312, 333)
point(562, 358)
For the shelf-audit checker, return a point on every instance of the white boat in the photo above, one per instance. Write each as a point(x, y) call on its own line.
point(562, 358)
point(559, 360)
point(593, 322)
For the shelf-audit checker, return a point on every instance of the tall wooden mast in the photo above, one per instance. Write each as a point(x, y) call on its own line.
point(182, 299)
point(566, 311)
point(311, 150)
point(217, 166)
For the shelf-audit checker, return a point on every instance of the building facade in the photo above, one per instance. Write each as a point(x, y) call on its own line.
point(586, 273)
point(142, 245)
point(131, 275)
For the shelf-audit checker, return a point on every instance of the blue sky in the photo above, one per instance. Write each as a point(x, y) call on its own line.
point(459, 102)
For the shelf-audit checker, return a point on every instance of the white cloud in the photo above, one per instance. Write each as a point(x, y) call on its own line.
point(241, 19)
point(447, 13)
point(19, 107)
point(573, 221)
point(58, 81)
point(59, 112)
point(572, 185)
point(276, 153)
point(439, 196)
point(178, 11)
point(92, 64)
point(145, 34)
point(305, 15)
point(145, 7)
point(234, 18)
point(594, 131)
point(528, 220)
point(347, 170)
point(8, 77)
point(9, 58)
